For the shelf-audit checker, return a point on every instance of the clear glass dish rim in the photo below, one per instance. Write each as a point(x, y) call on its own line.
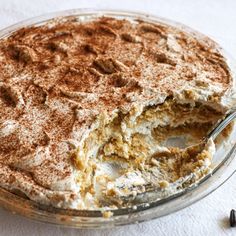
point(94, 219)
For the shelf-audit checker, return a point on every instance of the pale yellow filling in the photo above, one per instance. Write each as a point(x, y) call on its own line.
point(135, 145)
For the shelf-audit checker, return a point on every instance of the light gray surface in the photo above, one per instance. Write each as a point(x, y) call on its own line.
point(215, 18)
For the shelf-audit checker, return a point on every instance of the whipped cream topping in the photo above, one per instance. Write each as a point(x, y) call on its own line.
point(60, 82)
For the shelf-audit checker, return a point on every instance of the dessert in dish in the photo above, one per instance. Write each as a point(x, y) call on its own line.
point(88, 110)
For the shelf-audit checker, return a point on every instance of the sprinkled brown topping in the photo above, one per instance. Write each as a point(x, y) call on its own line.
point(56, 79)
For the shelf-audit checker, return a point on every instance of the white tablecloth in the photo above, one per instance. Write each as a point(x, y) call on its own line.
point(213, 17)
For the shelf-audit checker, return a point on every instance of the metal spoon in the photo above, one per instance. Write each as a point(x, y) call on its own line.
point(213, 134)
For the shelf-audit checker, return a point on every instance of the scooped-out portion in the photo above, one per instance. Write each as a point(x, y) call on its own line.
point(148, 148)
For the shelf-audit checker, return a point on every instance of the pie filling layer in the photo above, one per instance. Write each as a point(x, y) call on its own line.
point(147, 148)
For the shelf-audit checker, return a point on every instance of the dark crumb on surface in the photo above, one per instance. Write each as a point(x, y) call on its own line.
point(232, 218)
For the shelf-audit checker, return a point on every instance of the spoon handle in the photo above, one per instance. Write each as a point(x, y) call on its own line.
point(217, 130)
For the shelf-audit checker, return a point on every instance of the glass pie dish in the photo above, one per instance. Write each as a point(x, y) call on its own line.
point(150, 207)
